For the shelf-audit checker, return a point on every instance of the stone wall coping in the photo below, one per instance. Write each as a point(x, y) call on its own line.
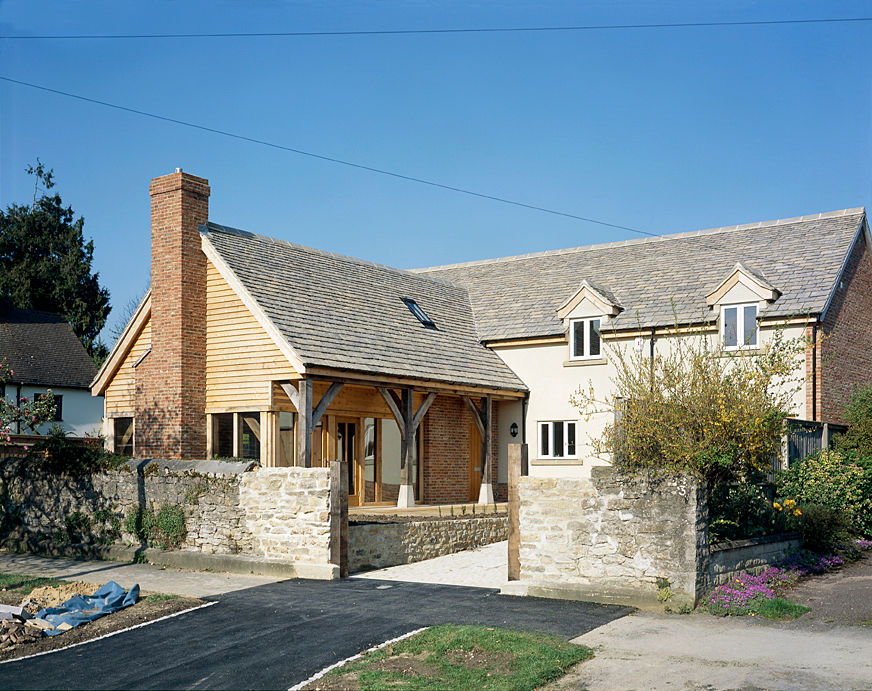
point(754, 541)
point(205, 467)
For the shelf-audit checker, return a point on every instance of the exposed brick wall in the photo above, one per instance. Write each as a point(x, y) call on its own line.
point(170, 382)
point(812, 373)
point(446, 451)
point(845, 360)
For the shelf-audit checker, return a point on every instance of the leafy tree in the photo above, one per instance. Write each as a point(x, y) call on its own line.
point(45, 263)
point(858, 413)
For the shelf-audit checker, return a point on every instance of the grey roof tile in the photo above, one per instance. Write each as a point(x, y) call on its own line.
point(345, 313)
point(42, 350)
point(518, 297)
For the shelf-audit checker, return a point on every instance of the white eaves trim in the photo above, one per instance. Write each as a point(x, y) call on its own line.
point(261, 317)
point(586, 290)
point(756, 284)
point(122, 345)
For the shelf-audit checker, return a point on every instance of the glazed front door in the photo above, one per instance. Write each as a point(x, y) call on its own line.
point(347, 438)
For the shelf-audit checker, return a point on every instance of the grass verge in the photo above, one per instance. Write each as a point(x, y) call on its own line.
point(457, 658)
point(779, 608)
point(22, 584)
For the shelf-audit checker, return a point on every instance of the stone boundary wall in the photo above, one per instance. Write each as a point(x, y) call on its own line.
point(609, 538)
point(378, 545)
point(749, 556)
point(279, 514)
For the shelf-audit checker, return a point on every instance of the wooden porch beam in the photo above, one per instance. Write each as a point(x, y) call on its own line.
point(325, 401)
point(394, 404)
point(304, 423)
point(291, 392)
point(476, 415)
point(422, 410)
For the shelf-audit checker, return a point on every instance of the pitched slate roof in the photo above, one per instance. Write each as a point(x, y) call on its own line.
point(42, 350)
point(518, 297)
point(345, 313)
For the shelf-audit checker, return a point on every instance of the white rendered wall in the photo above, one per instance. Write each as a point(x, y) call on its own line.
point(82, 412)
point(552, 378)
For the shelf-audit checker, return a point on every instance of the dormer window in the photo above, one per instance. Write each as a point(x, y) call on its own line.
point(415, 309)
point(584, 338)
point(739, 326)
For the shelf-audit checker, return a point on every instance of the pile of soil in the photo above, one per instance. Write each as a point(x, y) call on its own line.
point(54, 595)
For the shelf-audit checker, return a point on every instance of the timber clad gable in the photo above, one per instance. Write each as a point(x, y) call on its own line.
point(242, 360)
point(121, 391)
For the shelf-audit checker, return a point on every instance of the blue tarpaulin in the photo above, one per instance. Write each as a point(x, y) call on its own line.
point(84, 608)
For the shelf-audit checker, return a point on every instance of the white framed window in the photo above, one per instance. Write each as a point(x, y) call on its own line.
point(584, 339)
point(739, 326)
point(557, 439)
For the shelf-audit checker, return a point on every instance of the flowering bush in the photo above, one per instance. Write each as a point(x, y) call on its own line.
point(696, 408)
point(836, 481)
point(30, 414)
point(743, 594)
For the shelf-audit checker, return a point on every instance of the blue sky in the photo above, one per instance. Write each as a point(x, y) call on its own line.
point(663, 130)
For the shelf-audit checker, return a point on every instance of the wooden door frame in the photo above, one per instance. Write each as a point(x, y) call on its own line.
point(359, 498)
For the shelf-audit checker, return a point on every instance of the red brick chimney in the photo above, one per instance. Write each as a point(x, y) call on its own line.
point(171, 380)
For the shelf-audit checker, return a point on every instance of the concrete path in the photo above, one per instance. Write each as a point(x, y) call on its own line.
point(698, 651)
point(151, 578)
point(483, 567)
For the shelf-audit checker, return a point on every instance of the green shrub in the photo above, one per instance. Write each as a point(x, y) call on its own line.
point(57, 454)
point(165, 529)
point(858, 414)
point(824, 529)
point(835, 480)
point(78, 525)
point(742, 510)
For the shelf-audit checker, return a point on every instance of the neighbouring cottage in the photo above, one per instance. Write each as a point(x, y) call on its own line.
point(249, 346)
point(45, 354)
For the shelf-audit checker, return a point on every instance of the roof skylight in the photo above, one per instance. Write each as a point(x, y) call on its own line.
point(415, 309)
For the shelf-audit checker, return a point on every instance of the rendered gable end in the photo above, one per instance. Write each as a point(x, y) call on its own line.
point(241, 358)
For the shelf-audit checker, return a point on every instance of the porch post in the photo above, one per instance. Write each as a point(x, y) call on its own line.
point(406, 496)
point(304, 422)
point(486, 493)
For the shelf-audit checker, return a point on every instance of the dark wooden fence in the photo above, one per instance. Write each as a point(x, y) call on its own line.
point(804, 437)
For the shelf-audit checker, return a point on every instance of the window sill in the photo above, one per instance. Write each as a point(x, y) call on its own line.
point(584, 363)
point(753, 350)
point(556, 461)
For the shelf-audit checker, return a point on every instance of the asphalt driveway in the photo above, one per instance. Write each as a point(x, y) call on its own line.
point(276, 635)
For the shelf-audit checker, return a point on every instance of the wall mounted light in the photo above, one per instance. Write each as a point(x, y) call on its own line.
point(513, 430)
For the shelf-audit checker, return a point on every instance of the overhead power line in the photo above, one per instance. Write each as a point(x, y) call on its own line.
point(380, 171)
point(468, 30)
point(329, 159)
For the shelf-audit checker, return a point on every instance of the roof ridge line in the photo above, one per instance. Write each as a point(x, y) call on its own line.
point(357, 260)
point(641, 241)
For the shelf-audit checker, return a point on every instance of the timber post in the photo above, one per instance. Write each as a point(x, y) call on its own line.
point(517, 467)
point(339, 517)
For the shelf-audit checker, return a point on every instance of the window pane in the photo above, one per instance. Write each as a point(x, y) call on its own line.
point(544, 433)
point(570, 438)
point(123, 435)
point(578, 339)
point(249, 435)
point(749, 325)
point(222, 435)
point(594, 337)
point(731, 327)
point(558, 439)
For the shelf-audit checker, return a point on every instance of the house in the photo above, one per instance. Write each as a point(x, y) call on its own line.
point(44, 353)
point(248, 346)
